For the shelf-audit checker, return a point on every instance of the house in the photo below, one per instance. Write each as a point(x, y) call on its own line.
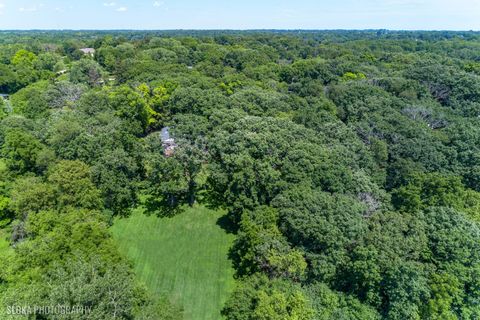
point(88, 51)
point(168, 143)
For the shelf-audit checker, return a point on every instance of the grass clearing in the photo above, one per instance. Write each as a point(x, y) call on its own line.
point(184, 257)
point(4, 242)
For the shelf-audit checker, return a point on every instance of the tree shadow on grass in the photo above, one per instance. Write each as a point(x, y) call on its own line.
point(162, 208)
point(226, 223)
point(212, 202)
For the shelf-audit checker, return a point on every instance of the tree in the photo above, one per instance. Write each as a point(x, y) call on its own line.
point(116, 173)
point(24, 63)
point(21, 151)
point(86, 71)
point(191, 156)
point(254, 159)
point(72, 182)
point(109, 291)
point(259, 298)
point(64, 94)
point(31, 195)
point(446, 292)
point(427, 190)
point(130, 106)
point(332, 305)
point(173, 180)
point(325, 226)
point(3, 109)
point(31, 101)
point(77, 247)
point(261, 247)
point(9, 81)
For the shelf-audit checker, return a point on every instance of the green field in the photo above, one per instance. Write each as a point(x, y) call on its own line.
point(4, 243)
point(184, 257)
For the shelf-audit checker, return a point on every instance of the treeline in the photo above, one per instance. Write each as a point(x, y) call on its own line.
point(349, 163)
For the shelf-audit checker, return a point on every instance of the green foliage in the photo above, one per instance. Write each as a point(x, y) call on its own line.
point(259, 298)
point(331, 305)
point(72, 182)
point(254, 159)
point(445, 291)
point(30, 101)
point(3, 109)
point(64, 94)
point(31, 195)
point(86, 71)
point(260, 247)
point(350, 76)
point(324, 226)
point(131, 106)
point(427, 190)
point(24, 64)
point(76, 247)
point(196, 101)
point(9, 81)
point(229, 88)
point(260, 103)
point(24, 58)
point(114, 174)
point(178, 173)
point(21, 151)
point(348, 165)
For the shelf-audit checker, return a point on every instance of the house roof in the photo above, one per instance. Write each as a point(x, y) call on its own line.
point(87, 50)
point(165, 134)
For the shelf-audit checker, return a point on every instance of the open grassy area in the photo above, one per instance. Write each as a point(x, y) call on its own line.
point(4, 243)
point(184, 257)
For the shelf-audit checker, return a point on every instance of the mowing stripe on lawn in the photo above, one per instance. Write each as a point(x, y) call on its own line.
point(184, 257)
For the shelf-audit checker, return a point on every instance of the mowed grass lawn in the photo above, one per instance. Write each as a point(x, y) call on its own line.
point(4, 243)
point(184, 257)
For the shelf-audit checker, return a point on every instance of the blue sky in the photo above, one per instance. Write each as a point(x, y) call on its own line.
point(241, 14)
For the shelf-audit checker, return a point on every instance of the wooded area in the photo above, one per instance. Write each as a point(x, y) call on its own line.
point(348, 163)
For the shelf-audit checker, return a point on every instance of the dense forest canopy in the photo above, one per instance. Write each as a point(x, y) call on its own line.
point(348, 163)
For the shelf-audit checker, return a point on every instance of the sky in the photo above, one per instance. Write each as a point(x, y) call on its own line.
point(241, 14)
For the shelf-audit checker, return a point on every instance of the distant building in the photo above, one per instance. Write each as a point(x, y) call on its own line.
point(168, 143)
point(89, 51)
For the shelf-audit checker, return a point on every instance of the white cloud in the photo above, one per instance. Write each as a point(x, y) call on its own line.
point(2, 6)
point(158, 3)
point(402, 2)
point(109, 4)
point(122, 9)
point(28, 9)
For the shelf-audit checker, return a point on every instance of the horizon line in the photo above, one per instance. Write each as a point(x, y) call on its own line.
point(245, 29)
